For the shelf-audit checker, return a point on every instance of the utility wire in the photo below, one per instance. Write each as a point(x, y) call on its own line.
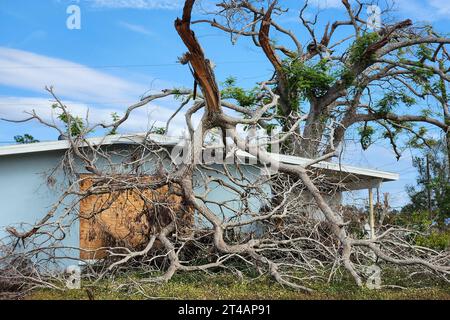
point(115, 66)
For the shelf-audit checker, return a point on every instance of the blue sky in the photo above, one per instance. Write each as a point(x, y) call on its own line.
point(127, 48)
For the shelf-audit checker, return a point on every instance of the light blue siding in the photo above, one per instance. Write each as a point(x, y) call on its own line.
point(231, 200)
point(26, 194)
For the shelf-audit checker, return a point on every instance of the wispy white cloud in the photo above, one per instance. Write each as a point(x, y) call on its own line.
point(136, 28)
point(138, 4)
point(428, 10)
point(140, 120)
point(27, 70)
point(80, 87)
point(150, 4)
point(327, 3)
point(420, 10)
point(442, 6)
point(423, 10)
point(15, 108)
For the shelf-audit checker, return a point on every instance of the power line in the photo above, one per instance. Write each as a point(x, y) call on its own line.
point(90, 67)
point(83, 103)
point(124, 66)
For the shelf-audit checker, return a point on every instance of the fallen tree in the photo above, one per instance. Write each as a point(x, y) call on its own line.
point(278, 236)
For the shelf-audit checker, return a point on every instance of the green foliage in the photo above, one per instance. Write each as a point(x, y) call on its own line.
point(158, 130)
point(441, 88)
point(359, 47)
point(115, 117)
point(25, 139)
point(366, 134)
point(392, 100)
point(421, 141)
point(431, 235)
point(423, 76)
point(74, 124)
point(438, 184)
point(243, 97)
point(347, 76)
point(177, 93)
point(249, 98)
point(426, 112)
point(311, 81)
point(416, 220)
point(424, 52)
point(438, 240)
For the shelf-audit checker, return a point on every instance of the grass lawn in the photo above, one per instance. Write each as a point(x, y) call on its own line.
point(219, 287)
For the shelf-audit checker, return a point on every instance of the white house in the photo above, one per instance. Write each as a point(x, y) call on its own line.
point(26, 194)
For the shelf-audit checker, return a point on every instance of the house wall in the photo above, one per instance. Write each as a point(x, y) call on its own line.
point(26, 194)
point(334, 201)
point(216, 193)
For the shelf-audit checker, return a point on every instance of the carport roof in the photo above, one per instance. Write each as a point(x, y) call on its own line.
point(353, 177)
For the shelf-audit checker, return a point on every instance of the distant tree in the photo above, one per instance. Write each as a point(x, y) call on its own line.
point(25, 139)
point(433, 182)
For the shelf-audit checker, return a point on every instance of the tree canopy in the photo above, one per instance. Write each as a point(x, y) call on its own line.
point(386, 81)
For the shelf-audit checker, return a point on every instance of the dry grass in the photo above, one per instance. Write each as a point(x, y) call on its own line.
point(226, 287)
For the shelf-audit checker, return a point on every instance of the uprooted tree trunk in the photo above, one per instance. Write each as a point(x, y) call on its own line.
point(277, 236)
point(214, 117)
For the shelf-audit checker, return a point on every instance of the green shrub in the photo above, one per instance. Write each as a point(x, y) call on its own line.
point(438, 240)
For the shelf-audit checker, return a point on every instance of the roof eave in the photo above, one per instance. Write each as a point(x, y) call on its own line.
point(171, 141)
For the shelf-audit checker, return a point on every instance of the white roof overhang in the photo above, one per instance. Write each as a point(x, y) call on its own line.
point(354, 178)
